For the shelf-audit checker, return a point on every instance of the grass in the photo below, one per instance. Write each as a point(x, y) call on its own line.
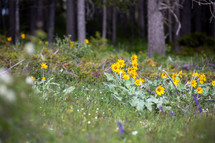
point(90, 113)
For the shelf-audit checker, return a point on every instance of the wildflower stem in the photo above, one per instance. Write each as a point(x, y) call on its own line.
point(170, 79)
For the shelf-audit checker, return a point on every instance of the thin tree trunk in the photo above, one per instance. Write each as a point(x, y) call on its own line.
point(156, 39)
point(177, 48)
point(114, 25)
point(51, 21)
point(70, 19)
point(12, 7)
point(33, 17)
point(141, 18)
point(81, 20)
point(198, 17)
point(17, 32)
point(132, 18)
point(170, 26)
point(104, 22)
point(186, 18)
point(1, 17)
point(40, 22)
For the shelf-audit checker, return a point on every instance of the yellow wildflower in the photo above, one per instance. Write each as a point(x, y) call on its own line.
point(174, 76)
point(163, 75)
point(199, 90)
point(202, 77)
point(121, 63)
point(71, 43)
point(130, 70)
point(44, 66)
point(86, 41)
point(160, 90)
point(46, 42)
point(33, 78)
point(188, 82)
point(134, 63)
point(115, 67)
point(134, 74)
point(193, 83)
point(180, 74)
point(134, 58)
point(126, 77)
point(9, 39)
point(196, 74)
point(43, 78)
point(213, 83)
point(176, 81)
point(23, 36)
point(121, 71)
point(139, 81)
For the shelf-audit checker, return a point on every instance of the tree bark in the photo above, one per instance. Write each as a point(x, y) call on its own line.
point(141, 18)
point(114, 25)
point(12, 25)
point(81, 20)
point(198, 17)
point(51, 21)
point(132, 18)
point(40, 22)
point(186, 18)
point(170, 25)
point(1, 17)
point(177, 48)
point(17, 31)
point(156, 39)
point(70, 19)
point(33, 17)
point(104, 21)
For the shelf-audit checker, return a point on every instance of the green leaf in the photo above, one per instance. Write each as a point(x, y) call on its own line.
point(68, 90)
point(110, 77)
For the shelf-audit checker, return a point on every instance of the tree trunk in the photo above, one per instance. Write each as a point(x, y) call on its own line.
point(1, 17)
point(17, 32)
point(132, 18)
point(33, 17)
point(70, 19)
point(156, 39)
point(12, 25)
point(51, 21)
point(170, 25)
point(177, 48)
point(114, 25)
point(198, 17)
point(81, 20)
point(104, 22)
point(186, 18)
point(141, 18)
point(40, 22)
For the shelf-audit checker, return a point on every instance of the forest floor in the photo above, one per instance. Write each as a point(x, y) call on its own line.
point(61, 92)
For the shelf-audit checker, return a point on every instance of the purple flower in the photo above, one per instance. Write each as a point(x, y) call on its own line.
point(161, 109)
point(200, 109)
point(196, 100)
point(171, 113)
point(121, 130)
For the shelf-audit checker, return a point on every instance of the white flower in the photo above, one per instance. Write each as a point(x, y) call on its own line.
point(96, 111)
point(82, 109)
point(134, 133)
point(5, 76)
point(84, 113)
point(88, 122)
point(96, 118)
point(29, 48)
point(29, 80)
point(89, 114)
point(97, 108)
point(78, 110)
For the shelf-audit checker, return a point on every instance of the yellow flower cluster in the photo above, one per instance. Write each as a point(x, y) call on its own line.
point(131, 71)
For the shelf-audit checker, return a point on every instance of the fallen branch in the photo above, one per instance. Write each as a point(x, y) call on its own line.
point(12, 66)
